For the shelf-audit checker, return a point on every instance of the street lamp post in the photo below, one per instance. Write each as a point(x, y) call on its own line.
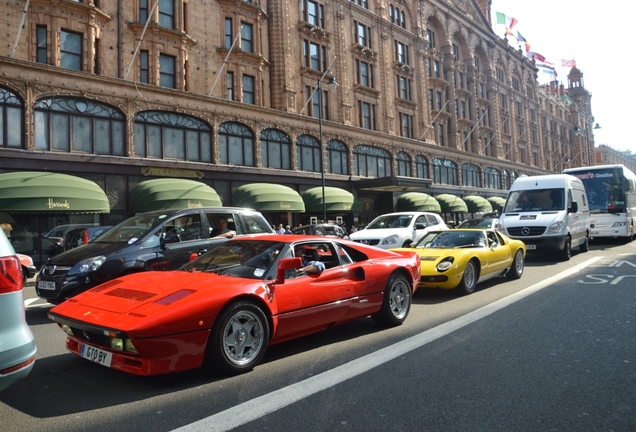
point(330, 86)
point(591, 159)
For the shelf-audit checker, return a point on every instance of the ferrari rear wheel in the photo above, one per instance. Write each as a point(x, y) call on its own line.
point(239, 338)
point(396, 303)
point(469, 280)
point(516, 267)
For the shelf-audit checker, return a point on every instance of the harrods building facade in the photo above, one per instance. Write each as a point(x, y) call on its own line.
point(429, 99)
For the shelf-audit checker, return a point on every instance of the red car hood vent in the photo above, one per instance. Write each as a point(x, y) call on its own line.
point(175, 296)
point(130, 294)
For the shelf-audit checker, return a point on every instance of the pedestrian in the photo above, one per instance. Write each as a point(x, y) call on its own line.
point(288, 230)
point(280, 229)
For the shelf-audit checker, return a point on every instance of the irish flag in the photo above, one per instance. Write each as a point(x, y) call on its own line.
point(504, 19)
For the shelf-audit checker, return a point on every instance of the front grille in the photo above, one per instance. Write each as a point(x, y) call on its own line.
point(48, 293)
point(91, 337)
point(532, 231)
point(55, 271)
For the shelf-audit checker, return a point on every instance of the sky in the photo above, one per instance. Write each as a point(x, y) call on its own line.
point(597, 36)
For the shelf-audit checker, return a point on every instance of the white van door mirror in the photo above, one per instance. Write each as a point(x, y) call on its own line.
point(574, 207)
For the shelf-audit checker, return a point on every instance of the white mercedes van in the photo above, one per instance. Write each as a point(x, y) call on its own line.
point(549, 213)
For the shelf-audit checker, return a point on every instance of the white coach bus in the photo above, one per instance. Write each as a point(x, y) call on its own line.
point(611, 194)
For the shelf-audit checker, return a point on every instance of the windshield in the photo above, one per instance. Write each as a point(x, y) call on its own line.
point(476, 223)
point(453, 239)
point(251, 259)
point(132, 229)
point(391, 221)
point(605, 189)
point(535, 200)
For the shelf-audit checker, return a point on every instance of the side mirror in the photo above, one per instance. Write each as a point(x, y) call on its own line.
point(419, 226)
point(574, 207)
point(170, 237)
point(287, 264)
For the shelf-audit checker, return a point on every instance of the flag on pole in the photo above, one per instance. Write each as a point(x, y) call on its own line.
point(504, 19)
point(547, 70)
point(521, 39)
point(568, 63)
point(538, 58)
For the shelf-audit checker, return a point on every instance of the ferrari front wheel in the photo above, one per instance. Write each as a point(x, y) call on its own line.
point(469, 280)
point(239, 338)
point(396, 303)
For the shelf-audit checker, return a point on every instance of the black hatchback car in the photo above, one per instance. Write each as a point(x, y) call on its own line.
point(158, 240)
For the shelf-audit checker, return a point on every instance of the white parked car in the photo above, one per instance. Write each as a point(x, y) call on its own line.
point(395, 230)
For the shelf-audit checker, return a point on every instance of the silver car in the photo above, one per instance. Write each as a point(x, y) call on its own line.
point(17, 344)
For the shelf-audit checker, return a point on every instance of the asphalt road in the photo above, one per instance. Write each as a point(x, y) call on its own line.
point(554, 351)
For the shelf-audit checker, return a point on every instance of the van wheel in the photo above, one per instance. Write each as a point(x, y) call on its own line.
point(566, 253)
point(585, 246)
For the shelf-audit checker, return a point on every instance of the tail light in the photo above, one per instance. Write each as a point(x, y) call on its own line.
point(10, 274)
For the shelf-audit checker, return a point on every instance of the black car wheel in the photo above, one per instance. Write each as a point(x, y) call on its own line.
point(396, 303)
point(239, 338)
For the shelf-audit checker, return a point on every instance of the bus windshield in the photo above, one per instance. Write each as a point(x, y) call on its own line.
point(605, 188)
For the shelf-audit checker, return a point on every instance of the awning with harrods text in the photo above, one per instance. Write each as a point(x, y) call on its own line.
point(337, 200)
point(171, 193)
point(417, 201)
point(451, 203)
point(47, 192)
point(497, 203)
point(268, 197)
point(477, 204)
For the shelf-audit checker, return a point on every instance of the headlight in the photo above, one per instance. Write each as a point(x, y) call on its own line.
point(445, 264)
point(390, 240)
point(67, 329)
point(555, 227)
point(619, 224)
point(120, 344)
point(88, 265)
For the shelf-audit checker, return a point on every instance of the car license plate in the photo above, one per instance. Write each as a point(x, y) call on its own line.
point(531, 247)
point(46, 285)
point(595, 232)
point(96, 355)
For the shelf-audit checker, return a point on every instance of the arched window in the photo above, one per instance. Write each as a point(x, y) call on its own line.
point(492, 178)
point(421, 167)
point(444, 171)
point(78, 126)
point(371, 161)
point(275, 149)
point(168, 135)
point(308, 153)
point(236, 144)
point(11, 120)
point(403, 164)
point(337, 157)
point(471, 176)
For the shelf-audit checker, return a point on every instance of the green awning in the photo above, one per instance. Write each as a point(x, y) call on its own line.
point(451, 204)
point(46, 192)
point(477, 204)
point(170, 193)
point(268, 197)
point(337, 200)
point(417, 201)
point(497, 203)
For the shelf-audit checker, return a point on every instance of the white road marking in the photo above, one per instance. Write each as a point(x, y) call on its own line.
point(266, 404)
